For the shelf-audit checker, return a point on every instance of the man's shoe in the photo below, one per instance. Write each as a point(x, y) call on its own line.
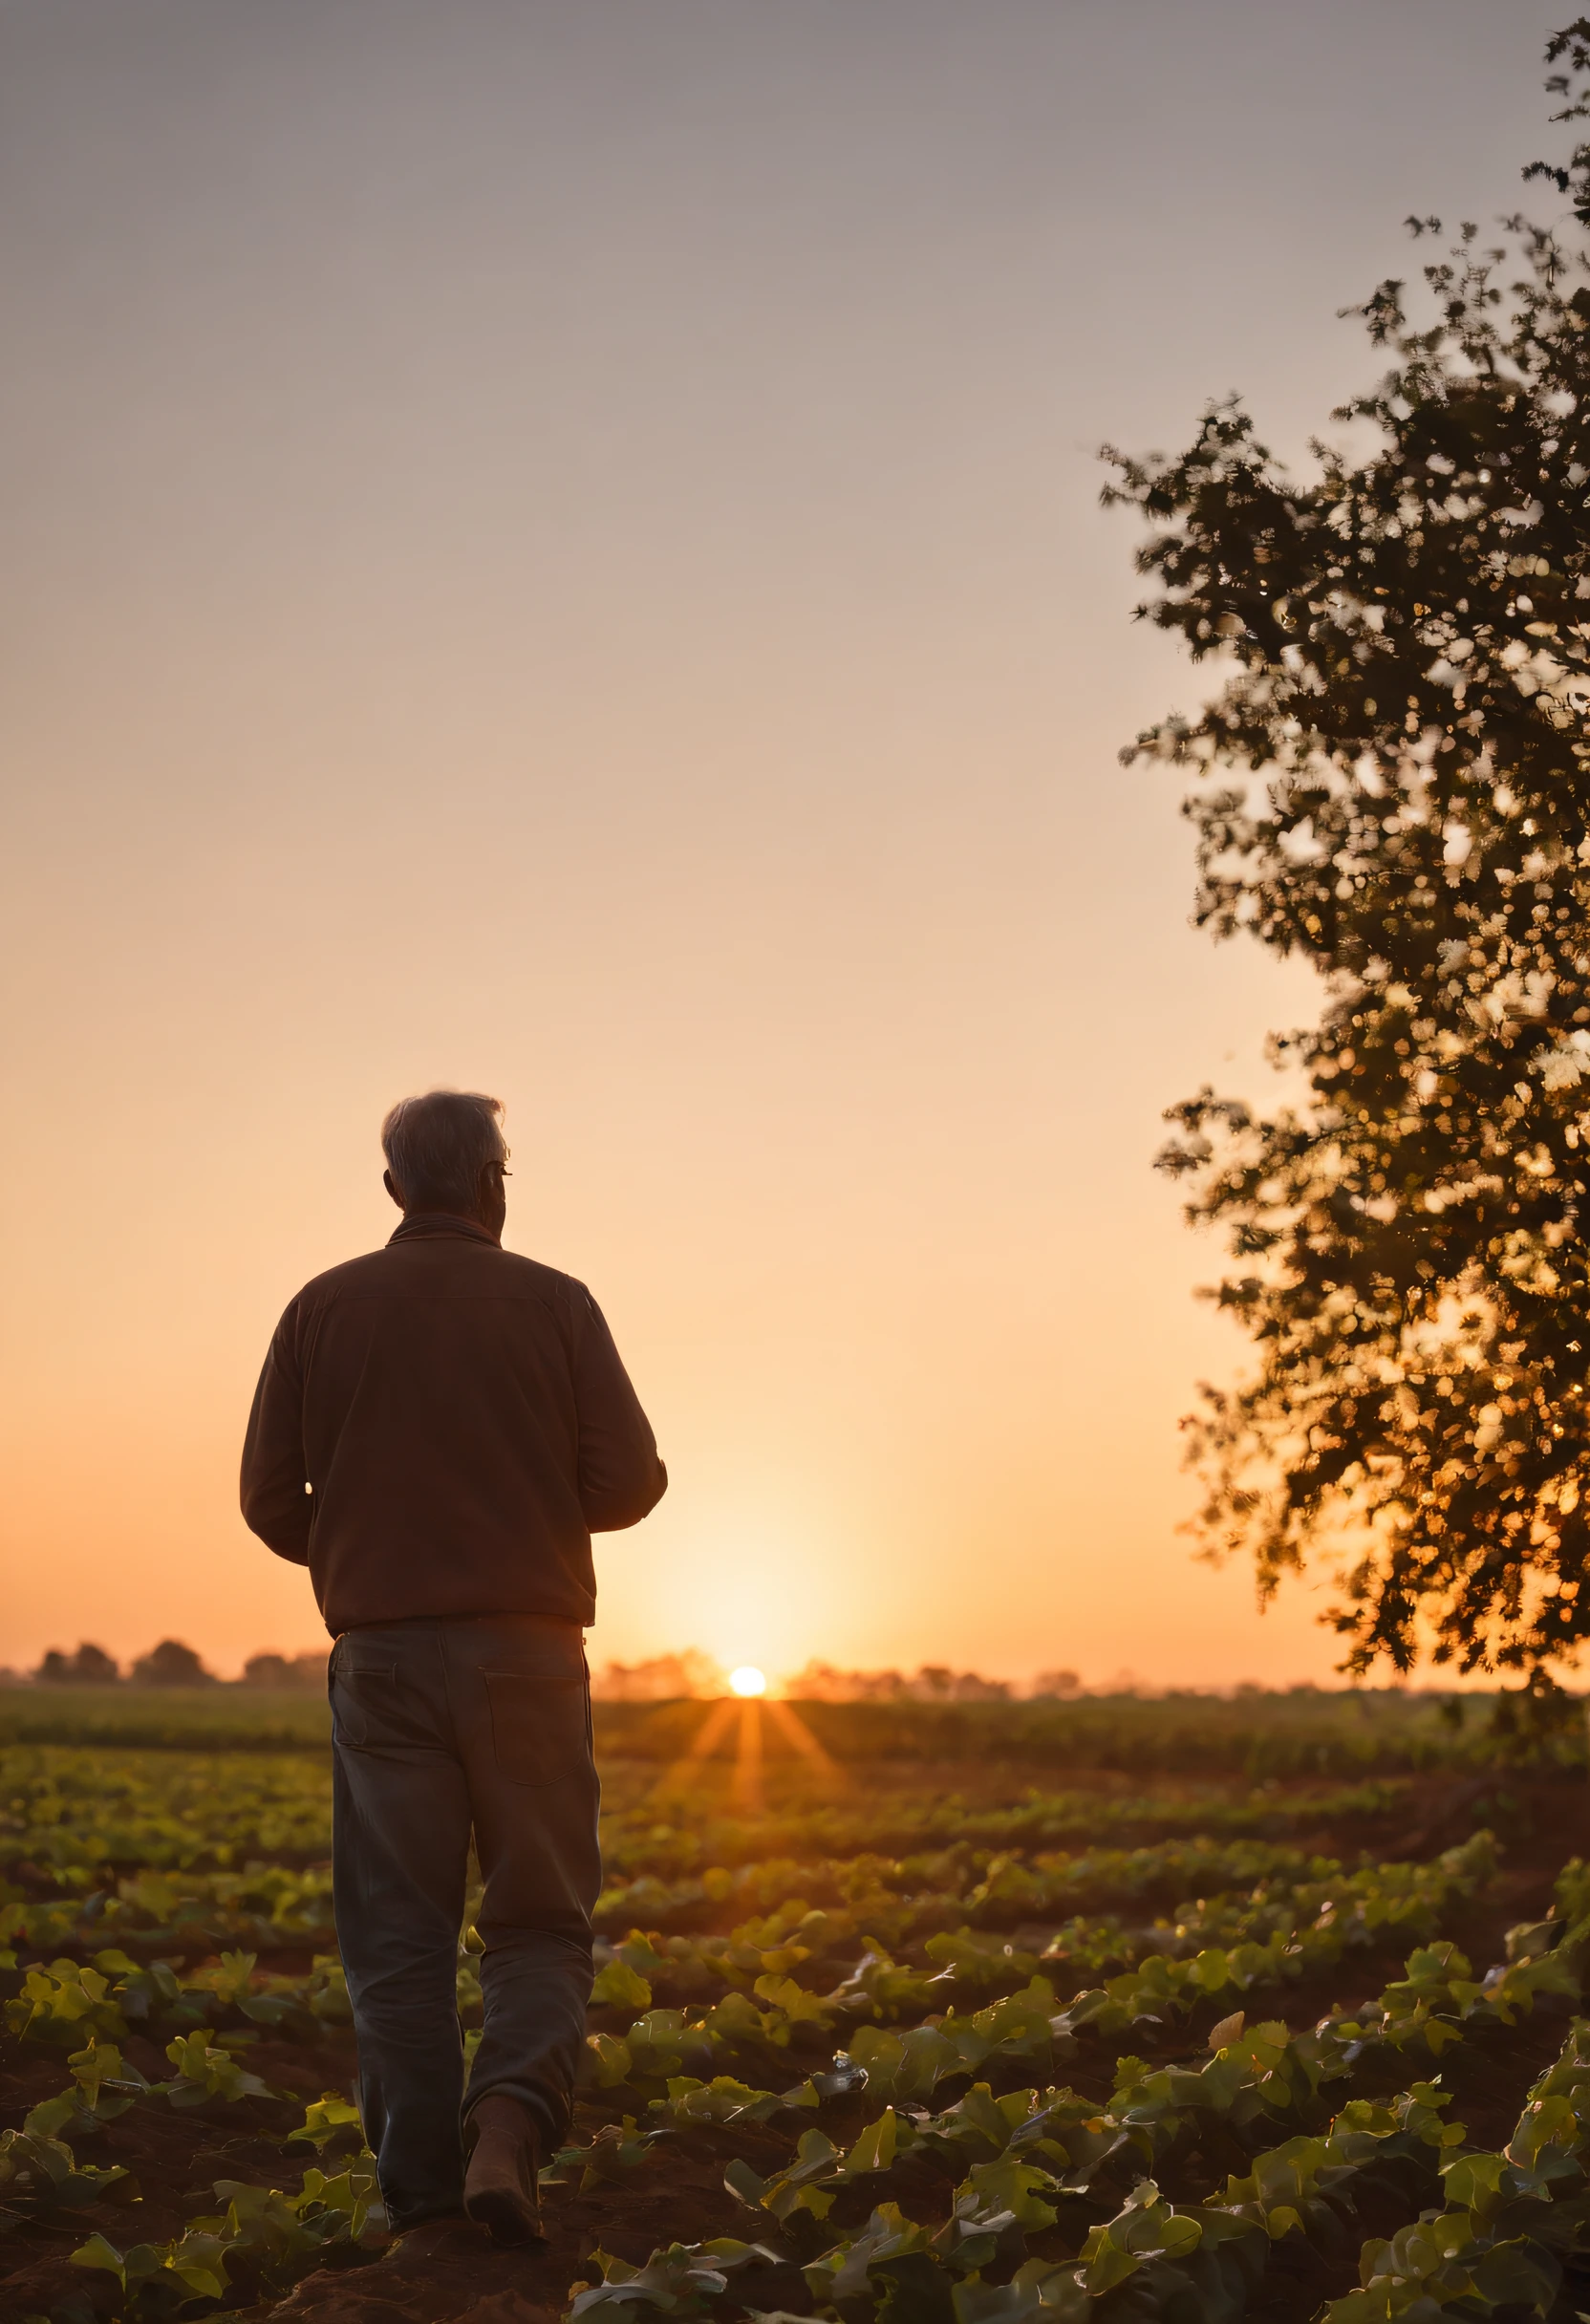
point(500, 2180)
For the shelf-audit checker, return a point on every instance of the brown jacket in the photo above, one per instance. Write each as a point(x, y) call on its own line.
point(439, 1428)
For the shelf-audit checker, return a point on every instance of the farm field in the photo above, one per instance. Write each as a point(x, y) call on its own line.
point(974, 2015)
point(1303, 1731)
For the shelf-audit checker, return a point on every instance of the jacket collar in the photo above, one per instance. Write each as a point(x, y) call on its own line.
point(423, 1225)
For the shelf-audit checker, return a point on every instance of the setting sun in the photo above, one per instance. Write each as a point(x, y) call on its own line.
point(747, 1680)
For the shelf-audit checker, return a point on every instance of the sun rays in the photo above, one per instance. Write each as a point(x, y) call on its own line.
point(744, 1716)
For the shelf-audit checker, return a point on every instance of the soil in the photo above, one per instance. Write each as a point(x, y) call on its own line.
point(448, 2272)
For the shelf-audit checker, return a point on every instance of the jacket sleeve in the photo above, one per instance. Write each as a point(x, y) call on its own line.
point(276, 1504)
point(620, 1477)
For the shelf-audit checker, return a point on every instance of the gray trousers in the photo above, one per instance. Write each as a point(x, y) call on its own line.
point(440, 1728)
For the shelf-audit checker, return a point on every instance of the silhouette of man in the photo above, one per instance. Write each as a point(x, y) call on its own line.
point(439, 1428)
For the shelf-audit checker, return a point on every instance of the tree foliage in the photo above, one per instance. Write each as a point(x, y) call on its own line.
point(171, 1664)
point(90, 1666)
point(1394, 783)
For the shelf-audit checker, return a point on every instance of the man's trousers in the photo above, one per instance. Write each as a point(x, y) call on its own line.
point(440, 1728)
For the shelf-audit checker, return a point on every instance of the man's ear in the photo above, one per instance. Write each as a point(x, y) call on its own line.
point(393, 1189)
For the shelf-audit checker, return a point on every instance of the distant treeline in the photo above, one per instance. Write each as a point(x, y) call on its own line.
point(670, 1678)
point(171, 1664)
point(667, 1678)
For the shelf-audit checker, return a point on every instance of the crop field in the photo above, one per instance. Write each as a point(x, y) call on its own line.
point(1258, 2009)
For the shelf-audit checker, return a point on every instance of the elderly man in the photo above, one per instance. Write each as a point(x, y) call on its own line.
point(439, 1428)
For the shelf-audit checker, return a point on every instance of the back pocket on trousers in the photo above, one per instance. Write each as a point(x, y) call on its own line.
point(370, 1711)
point(540, 1726)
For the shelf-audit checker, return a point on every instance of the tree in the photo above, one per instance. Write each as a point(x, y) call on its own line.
point(276, 1671)
point(1394, 783)
point(171, 1664)
point(90, 1666)
point(667, 1678)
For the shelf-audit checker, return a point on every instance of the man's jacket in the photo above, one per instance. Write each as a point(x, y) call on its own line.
point(439, 1430)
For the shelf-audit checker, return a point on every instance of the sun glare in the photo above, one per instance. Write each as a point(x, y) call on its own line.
point(747, 1680)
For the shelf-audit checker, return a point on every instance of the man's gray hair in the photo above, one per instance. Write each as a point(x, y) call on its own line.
point(436, 1147)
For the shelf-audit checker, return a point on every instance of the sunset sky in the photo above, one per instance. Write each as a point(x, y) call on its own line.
point(555, 550)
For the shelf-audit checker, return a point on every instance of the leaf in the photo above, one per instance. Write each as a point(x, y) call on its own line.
point(607, 2060)
point(799, 2007)
point(617, 1984)
point(1017, 2187)
point(98, 2252)
point(323, 2118)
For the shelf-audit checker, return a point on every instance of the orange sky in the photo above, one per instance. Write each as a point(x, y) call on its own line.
point(556, 550)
